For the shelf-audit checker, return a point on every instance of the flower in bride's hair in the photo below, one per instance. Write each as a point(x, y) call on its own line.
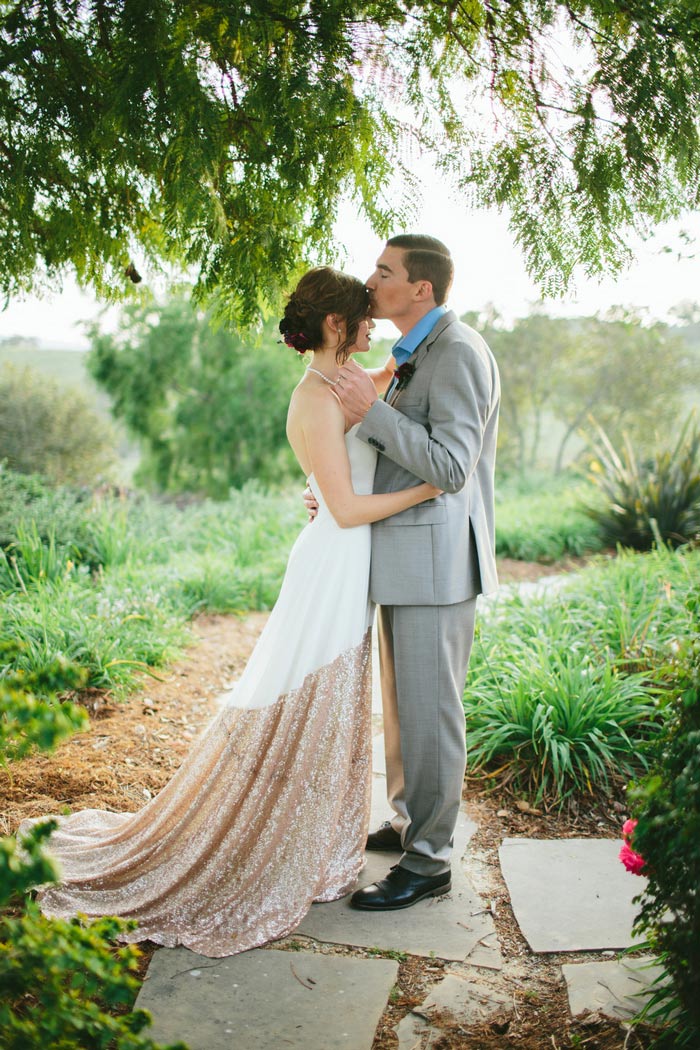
point(298, 341)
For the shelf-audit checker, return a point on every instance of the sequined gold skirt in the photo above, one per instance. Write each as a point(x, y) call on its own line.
point(268, 813)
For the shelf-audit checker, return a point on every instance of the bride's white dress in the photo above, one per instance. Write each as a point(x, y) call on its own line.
point(269, 812)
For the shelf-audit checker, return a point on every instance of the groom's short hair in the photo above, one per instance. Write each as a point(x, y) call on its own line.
point(426, 259)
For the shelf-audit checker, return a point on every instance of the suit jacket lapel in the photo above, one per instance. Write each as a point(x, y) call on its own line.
point(423, 348)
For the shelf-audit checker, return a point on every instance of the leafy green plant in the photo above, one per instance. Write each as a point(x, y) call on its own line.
point(62, 981)
point(558, 724)
point(543, 521)
point(562, 692)
point(65, 985)
point(648, 499)
point(666, 804)
point(30, 714)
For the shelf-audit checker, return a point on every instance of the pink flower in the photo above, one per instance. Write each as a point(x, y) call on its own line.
point(628, 829)
point(632, 860)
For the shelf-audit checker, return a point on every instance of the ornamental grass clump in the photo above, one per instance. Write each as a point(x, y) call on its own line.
point(647, 499)
point(556, 724)
point(666, 806)
point(564, 686)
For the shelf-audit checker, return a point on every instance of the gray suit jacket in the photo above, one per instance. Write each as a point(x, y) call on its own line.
point(441, 428)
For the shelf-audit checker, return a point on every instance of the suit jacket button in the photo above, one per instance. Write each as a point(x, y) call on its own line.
point(380, 446)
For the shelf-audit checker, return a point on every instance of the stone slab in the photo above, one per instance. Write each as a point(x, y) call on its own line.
point(570, 894)
point(413, 1033)
point(449, 927)
point(468, 1002)
point(266, 999)
point(618, 988)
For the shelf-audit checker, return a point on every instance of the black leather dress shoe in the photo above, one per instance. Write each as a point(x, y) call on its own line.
point(400, 889)
point(385, 839)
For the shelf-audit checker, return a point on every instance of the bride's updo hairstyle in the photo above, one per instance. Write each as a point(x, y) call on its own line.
point(320, 292)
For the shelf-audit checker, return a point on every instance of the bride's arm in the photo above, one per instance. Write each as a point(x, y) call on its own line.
point(381, 377)
point(325, 441)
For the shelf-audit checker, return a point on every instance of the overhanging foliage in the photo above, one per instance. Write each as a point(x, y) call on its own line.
point(222, 135)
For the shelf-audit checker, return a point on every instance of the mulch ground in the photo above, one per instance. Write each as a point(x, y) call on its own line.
point(132, 748)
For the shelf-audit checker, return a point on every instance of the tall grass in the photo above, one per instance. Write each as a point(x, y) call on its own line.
point(562, 694)
point(114, 589)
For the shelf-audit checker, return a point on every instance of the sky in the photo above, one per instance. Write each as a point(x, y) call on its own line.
point(489, 268)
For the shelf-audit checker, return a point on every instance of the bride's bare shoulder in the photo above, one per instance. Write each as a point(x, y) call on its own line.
point(310, 401)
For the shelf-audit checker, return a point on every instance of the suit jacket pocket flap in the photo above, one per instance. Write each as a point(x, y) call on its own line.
point(431, 512)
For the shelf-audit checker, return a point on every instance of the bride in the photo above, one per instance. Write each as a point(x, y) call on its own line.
point(269, 812)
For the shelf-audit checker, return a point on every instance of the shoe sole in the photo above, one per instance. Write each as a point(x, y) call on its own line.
point(384, 849)
point(437, 892)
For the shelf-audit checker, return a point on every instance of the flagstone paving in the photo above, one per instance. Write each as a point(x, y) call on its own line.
point(264, 1000)
point(449, 927)
point(618, 988)
point(570, 894)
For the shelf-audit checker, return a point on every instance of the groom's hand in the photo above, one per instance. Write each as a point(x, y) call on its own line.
point(310, 502)
point(355, 391)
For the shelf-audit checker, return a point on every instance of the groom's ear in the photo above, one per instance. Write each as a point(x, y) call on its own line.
point(424, 291)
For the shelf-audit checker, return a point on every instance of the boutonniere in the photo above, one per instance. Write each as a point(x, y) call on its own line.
point(403, 375)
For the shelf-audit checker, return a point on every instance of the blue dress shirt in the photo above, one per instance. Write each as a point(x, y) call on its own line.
point(404, 347)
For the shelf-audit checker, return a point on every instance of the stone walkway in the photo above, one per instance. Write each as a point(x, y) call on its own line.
point(567, 896)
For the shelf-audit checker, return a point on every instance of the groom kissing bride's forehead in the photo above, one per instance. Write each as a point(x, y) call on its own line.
point(429, 562)
point(413, 273)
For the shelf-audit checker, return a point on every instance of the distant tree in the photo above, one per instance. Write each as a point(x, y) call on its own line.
point(630, 377)
point(208, 408)
point(222, 135)
point(534, 356)
point(50, 429)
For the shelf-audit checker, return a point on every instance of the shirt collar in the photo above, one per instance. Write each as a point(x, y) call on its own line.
point(404, 347)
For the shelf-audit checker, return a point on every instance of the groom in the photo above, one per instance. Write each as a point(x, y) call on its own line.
point(437, 423)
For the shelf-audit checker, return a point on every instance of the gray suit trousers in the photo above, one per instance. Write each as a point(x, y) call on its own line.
point(424, 652)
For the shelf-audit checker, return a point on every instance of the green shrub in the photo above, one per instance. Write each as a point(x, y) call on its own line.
point(29, 500)
point(60, 979)
point(30, 714)
point(51, 429)
point(666, 804)
point(556, 723)
point(544, 522)
point(647, 500)
point(562, 689)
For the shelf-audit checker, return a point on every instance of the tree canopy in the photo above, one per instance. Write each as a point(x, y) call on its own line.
point(221, 135)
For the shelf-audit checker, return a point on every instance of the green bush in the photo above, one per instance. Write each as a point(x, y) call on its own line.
point(666, 804)
point(61, 979)
point(30, 714)
point(51, 429)
point(562, 689)
point(109, 583)
point(647, 500)
point(544, 521)
point(558, 724)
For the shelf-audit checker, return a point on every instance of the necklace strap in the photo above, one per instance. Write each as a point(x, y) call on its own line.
point(331, 382)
